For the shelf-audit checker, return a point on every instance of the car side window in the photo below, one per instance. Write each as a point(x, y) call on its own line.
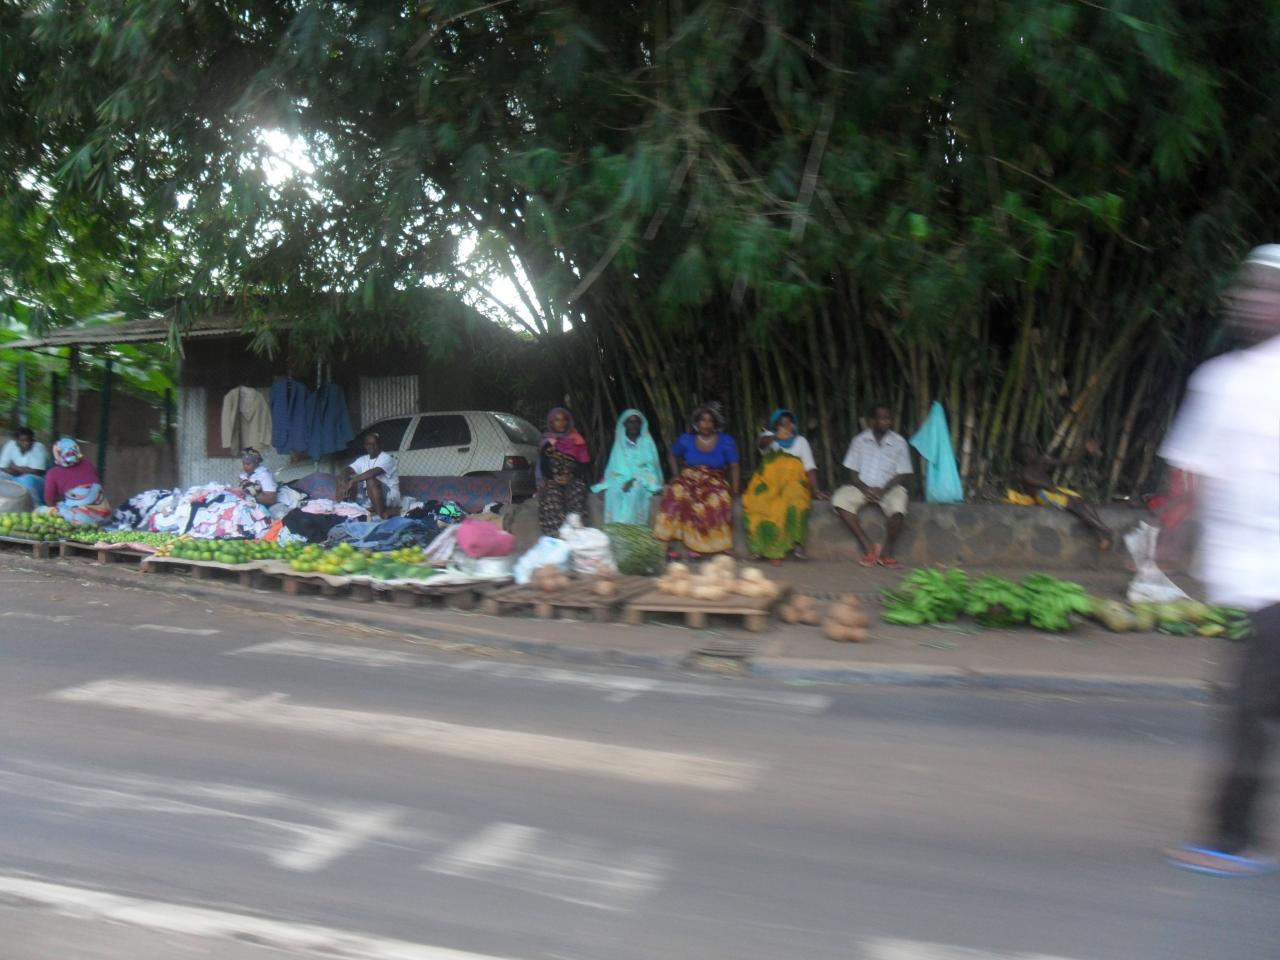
point(441, 430)
point(390, 432)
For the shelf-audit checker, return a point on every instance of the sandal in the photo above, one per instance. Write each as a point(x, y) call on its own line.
point(891, 563)
point(870, 559)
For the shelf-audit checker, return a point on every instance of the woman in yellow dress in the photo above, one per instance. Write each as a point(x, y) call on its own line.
point(778, 496)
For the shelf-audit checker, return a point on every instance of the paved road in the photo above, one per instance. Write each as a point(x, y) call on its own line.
point(179, 781)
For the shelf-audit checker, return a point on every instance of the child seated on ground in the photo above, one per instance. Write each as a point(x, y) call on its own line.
point(1034, 479)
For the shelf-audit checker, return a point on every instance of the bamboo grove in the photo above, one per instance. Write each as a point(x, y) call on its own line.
point(1024, 209)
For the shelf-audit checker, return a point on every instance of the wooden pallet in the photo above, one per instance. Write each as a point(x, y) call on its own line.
point(200, 570)
point(40, 549)
point(577, 598)
point(456, 596)
point(754, 611)
point(103, 553)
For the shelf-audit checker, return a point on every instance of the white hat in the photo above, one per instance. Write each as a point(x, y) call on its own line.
point(1267, 255)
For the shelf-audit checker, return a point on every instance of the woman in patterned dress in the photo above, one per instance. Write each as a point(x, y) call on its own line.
point(564, 466)
point(697, 506)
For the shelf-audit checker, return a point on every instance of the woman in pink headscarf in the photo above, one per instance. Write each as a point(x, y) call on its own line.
point(564, 466)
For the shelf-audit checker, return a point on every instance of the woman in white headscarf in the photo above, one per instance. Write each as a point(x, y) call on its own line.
point(633, 474)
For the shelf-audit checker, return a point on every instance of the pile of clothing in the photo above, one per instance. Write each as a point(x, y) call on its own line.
point(209, 512)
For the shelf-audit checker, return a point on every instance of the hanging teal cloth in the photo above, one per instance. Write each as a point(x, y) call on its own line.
point(933, 440)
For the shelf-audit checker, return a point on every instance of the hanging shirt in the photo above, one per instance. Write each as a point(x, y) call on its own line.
point(389, 478)
point(328, 423)
point(290, 430)
point(799, 449)
point(719, 457)
point(246, 420)
point(878, 462)
point(11, 455)
point(942, 477)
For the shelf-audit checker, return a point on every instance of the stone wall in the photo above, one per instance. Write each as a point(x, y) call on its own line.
point(977, 535)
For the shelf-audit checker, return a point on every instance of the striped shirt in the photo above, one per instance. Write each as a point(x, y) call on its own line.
point(878, 463)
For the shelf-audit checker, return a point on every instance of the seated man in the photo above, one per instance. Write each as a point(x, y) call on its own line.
point(372, 479)
point(879, 464)
point(1035, 481)
point(24, 460)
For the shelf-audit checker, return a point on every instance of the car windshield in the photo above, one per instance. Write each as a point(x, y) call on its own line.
point(517, 430)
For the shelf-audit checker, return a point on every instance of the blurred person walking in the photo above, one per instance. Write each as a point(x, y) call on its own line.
point(1228, 434)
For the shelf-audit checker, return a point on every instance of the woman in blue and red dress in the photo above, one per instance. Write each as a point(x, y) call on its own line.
point(697, 506)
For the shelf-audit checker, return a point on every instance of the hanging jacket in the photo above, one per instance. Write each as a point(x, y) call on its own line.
point(246, 420)
point(290, 431)
point(329, 425)
point(933, 440)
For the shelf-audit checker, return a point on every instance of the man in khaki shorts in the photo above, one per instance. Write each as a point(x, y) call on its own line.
point(879, 463)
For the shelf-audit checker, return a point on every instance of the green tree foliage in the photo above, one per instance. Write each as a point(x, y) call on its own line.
point(1021, 208)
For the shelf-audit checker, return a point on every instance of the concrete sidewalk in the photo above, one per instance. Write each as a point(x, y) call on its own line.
point(1088, 660)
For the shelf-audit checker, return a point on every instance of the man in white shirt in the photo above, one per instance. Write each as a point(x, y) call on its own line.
point(879, 464)
point(1228, 434)
point(25, 460)
point(373, 479)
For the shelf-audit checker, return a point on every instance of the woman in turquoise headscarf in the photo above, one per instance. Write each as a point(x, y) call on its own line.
point(634, 473)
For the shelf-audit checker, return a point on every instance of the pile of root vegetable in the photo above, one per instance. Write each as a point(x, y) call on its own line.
point(1046, 603)
point(718, 579)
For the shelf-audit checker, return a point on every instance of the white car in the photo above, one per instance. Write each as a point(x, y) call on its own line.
point(457, 443)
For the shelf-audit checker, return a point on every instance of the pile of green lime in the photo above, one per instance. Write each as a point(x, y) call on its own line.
point(231, 552)
point(94, 535)
point(48, 527)
point(344, 560)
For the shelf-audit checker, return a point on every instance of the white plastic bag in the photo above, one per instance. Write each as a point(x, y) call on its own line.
point(592, 554)
point(546, 552)
point(1149, 585)
point(14, 497)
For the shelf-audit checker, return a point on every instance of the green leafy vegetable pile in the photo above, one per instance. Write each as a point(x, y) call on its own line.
point(1047, 603)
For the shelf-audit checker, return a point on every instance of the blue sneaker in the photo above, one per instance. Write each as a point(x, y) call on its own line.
point(1215, 863)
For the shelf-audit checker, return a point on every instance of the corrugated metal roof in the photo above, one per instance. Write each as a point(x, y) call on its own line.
point(147, 330)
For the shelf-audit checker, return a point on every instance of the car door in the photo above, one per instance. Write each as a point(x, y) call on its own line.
point(441, 446)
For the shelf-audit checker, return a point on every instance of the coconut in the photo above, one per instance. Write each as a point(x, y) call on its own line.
point(707, 591)
point(847, 616)
point(605, 588)
point(789, 614)
point(810, 617)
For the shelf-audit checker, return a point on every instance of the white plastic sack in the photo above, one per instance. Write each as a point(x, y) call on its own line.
point(546, 552)
point(1149, 585)
point(14, 497)
point(592, 556)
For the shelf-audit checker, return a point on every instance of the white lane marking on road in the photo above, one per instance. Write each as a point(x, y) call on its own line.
point(573, 869)
point(219, 924)
point(617, 687)
point(349, 831)
point(292, 844)
point(184, 631)
point(229, 705)
point(42, 617)
point(891, 949)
